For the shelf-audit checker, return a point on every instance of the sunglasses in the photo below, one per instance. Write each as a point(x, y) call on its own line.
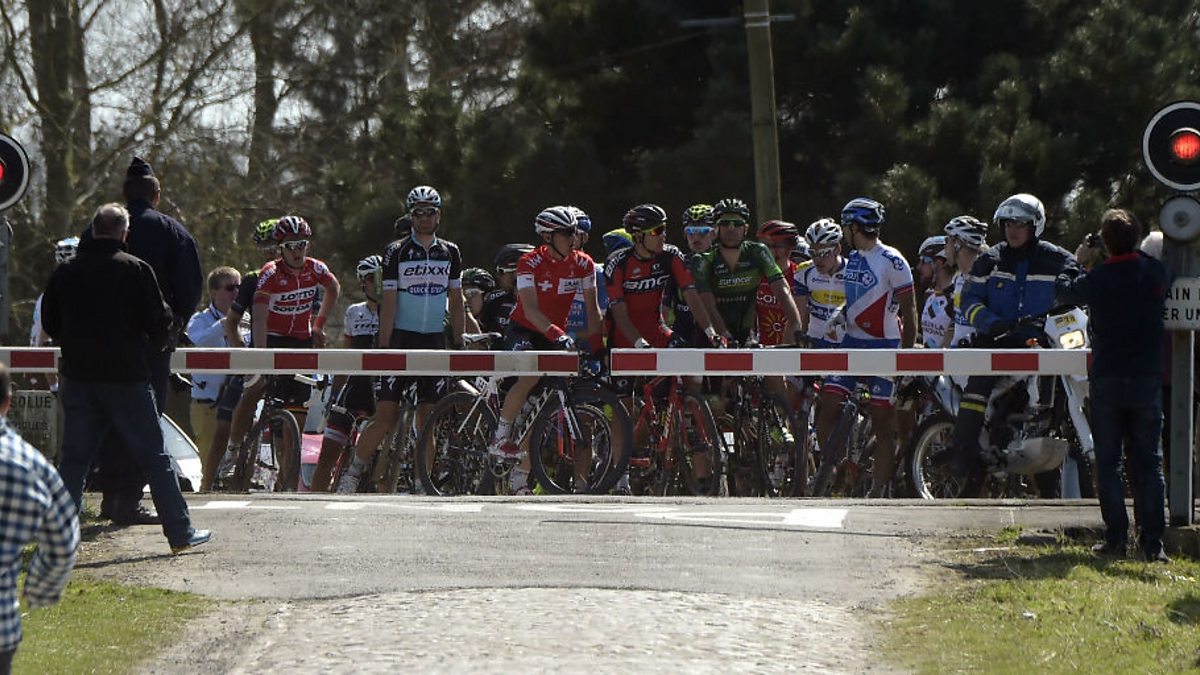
point(661, 229)
point(731, 222)
point(472, 292)
point(297, 245)
point(428, 211)
point(697, 229)
point(824, 252)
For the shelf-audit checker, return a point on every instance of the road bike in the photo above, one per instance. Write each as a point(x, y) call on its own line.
point(269, 457)
point(767, 457)
point(389, 469)
point(683, 449)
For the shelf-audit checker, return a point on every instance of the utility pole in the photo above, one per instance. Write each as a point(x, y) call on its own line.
point(767, 185)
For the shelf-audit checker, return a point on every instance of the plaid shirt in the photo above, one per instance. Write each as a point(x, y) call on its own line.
point(34, 506)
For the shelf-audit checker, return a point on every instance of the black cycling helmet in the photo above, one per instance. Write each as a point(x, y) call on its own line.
point(730, 205)
point(402, 227)
point(508, 255)
point(643, 217)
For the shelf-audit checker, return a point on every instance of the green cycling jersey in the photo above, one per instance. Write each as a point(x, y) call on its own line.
point(735, 288)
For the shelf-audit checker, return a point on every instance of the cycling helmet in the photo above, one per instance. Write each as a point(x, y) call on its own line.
point(402, 227)
point(969, 230)
point(778, 232)
point(698, 214)
point(582, 220)
point(730, 205)
point(368, 266)
point(934, 246)
point(291, 226)
point(264, 232)
point(615, 240)
point(1025, 208)
point(801, 252)
point(644, 217)
point(867, 214)
point(508, 255)
point(555, 219)
point(479, 278)
point(423, 194)
point(65, 249)
point(824, 232)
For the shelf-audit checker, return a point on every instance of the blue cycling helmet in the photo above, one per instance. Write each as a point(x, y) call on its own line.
point(615, 240)
point(582, 220)
point(864, 213)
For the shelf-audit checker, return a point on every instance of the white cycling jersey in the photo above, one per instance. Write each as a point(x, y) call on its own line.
point(825, 293)
point(935, 319)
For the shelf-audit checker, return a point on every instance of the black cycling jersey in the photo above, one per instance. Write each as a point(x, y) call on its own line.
point(498, 305)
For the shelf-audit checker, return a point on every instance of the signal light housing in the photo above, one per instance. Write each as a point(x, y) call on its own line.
point(14, 171)
point(1171, 146)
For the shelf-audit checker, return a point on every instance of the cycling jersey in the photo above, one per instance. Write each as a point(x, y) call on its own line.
point(361, 326)
point(875, 281)
point(641, 285)
point(935, 318)
point(421, 278)
point(772, 319)
point(497, 308)
point(288, 296)
point(556, 282)
point(734, 288)
point(963, 330)
point(683, 321)
point(825, 293)
point(577, 317)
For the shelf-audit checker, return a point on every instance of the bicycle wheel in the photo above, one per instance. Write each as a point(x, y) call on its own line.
point(929, 466)
point(697, 446)
point(780, 448)
point(583, 447)
point(270, 455)
point(452, 448)
point(833, 450)
point(393, 472)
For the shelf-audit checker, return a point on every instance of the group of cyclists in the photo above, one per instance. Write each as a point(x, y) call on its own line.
point(834, 283)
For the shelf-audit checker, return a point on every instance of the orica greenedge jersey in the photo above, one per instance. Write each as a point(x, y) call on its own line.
point(735, 288)
point(421, 278)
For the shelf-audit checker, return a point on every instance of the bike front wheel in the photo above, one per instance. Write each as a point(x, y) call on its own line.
point(929, 463)
point(698, 445)
point(452, 448)
point(582, 447)
point(269, 458)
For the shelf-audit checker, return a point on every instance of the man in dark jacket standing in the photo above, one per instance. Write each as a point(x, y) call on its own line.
point(171, 252)
point(105, 310)
point(1125, 294)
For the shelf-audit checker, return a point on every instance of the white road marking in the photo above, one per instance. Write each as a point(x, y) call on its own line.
point(359, 506)
point(594, 508)
point(235, 505)
point(815, 518)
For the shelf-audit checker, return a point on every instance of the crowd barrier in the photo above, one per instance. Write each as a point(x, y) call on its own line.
point(886, 362)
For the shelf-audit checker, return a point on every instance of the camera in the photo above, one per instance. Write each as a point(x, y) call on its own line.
point(1093, 241)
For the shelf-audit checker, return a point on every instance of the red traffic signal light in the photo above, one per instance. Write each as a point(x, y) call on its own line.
point(14, 171)
point(1185, 145)
point(1171, 146)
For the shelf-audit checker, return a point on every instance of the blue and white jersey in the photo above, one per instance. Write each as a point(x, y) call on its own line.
point(577, 317)
point(875, 280)
point(421, 278)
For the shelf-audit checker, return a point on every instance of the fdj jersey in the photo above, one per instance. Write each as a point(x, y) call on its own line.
point(641, 285)
point(734, 288)
point(875, 280)
point(288, 296)
point(555, 281)
point(772, 320)
point(362, 326)
point(421, 278)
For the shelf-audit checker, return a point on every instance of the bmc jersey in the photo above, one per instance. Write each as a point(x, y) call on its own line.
point(361, 326)
point(421, 278)
point(935, 319)
point(825, 293)
point(772, 320)
point(289, 296)
point(556, 282)
point(642, 285)
point(734, 288)
point(497, 308)
point(875, 280)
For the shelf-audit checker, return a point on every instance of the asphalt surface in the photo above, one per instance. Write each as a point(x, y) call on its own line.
point(376, 584)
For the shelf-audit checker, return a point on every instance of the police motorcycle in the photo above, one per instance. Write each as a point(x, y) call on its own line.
point(1033, 426)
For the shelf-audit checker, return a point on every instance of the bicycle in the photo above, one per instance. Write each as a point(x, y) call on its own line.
point(767, 457)
point(390, 467)
point(270, 454)
point(684, 448)
point(846, 456)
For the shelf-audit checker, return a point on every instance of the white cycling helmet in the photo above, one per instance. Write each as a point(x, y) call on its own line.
point(423, 194)
point(1025, 208)
point(65, 249)
point(824, 232)
point(969, 230)
point(934, 246)
point(555, 219)
point(368, 266)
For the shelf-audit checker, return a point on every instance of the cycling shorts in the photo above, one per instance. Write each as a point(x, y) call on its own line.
point(227, 400)
point(518, 338)
point(430, 388)
point(883, 389)
point(284, 387)
point(357, 396)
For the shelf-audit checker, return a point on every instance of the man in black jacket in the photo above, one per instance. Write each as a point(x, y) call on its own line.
point(106, 312)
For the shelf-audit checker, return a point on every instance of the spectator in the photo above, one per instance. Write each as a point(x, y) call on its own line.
point(34, 506)
point(1126, 294)
point(205, 329)
point(107, 314)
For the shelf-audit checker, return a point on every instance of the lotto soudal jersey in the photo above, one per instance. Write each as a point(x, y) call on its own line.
point(875, 281)
point(935, 319)
point(735, 288)
point(361, 326)
point(421, 278)
point(640, 285)
point(772, 319)
point(289, 295)
point(555, 281)
point(824, 293)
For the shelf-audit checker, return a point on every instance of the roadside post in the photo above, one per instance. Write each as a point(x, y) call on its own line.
point(1171, 150)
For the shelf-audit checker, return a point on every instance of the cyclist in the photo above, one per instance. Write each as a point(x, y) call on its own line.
point(547, 280)
point(356, 394)
point(802, 254)
point(498, 304)
point(879, 314)
point(822, 284)
point(476, 283)
point(698, 233)
point(937, 320)
point(422, 280)
point(729, 275)
point(1012, 280)
point(966, 238)
point(577, 318)
point(773, 328)
point(615, 240)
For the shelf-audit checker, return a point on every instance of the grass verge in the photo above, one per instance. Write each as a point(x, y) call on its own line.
point(1053, 609)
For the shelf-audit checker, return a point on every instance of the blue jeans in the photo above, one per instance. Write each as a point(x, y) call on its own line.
point(91, 410)
point(1127, 411)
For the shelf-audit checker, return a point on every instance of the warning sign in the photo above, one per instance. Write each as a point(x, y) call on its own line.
point(34, 415)
point(1182, 310)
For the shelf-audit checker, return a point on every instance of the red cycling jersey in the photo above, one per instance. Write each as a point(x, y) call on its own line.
point(556, 282)
point(772, 320)
point(640, 285)
point(289, 295)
